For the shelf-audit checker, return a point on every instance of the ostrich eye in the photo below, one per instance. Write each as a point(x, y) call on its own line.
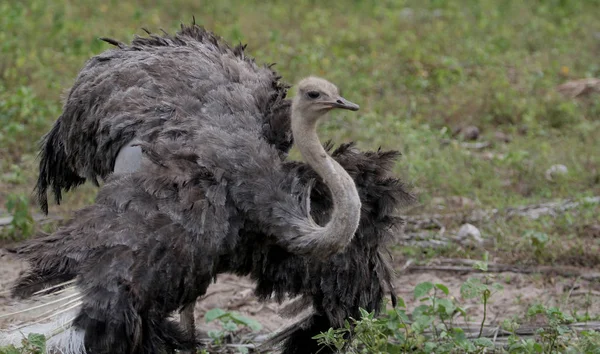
point(313, 94)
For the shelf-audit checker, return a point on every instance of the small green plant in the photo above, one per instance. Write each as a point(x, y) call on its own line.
point(370, 334)
point(589, 342)
point(430, 329)
point(559, 113)
point(33, 344)
point(556, 334)
point(15, 176)
point(538, 240)
point(21, 225)
point(475, 287)
point(230, 323)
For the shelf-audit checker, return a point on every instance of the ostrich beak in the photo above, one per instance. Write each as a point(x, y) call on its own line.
point(343, 103)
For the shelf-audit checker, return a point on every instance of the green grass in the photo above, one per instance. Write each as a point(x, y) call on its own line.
point(419, 69)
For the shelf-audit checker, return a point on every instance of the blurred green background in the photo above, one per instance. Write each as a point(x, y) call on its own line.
point(421, 71)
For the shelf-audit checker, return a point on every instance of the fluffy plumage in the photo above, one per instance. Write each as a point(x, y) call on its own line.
point(146, 248)
point(214, 195)
point(142, 91)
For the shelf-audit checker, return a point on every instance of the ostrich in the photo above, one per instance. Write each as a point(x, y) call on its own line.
point(155, 238)
point(137, 93)
point(115, 100)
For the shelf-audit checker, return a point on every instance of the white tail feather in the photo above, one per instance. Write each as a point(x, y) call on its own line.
point(54, 321)
point(29, 309)
point(45, 290)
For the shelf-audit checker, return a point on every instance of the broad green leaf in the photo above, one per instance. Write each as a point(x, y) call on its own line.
point(430, 347)
point(215, 335)
point(483, 342)
point(420, 311)
point(422, 289)
point(249, 322)
point(230, 326)
point(482, 265)
point(403, 316)
point(214, 314)
point(536, 310)
point(446, 306)
point(472, 288)
point(443, 288)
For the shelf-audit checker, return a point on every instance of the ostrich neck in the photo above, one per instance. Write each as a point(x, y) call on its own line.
point(346, 202)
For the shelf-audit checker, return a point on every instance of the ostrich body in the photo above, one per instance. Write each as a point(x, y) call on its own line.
point(213, 194)
point(131, 94)
point(155, 239)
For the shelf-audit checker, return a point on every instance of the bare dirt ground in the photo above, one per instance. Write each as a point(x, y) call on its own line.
point(520, 291)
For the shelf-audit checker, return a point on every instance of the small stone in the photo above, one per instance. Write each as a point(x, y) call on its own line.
point(438, 201)
point(470, 232)
point(489, 156)
point(470, 132)
point(500, 136)
point(6, 220)
point(460, 202)
point(476, 146)
point(555, 171)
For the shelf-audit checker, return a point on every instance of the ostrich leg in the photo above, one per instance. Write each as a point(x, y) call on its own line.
point(188, 322)
point(128, 161)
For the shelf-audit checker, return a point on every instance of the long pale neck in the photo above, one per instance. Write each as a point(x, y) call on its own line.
point(346, 202)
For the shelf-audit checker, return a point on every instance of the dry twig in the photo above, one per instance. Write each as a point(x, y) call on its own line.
point(466, 266)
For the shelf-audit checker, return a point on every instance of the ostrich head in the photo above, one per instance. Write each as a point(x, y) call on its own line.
point(317, 96)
